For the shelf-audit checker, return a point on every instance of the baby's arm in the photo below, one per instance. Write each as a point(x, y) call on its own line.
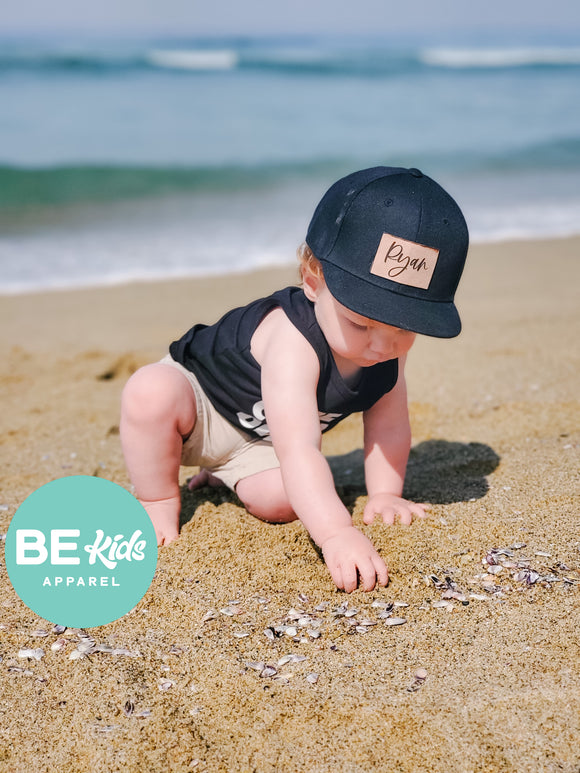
point(387, 442)
point(290, 372)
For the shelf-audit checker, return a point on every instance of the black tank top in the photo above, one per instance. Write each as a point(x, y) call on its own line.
point(220, 357)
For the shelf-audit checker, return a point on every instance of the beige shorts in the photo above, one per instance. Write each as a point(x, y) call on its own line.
point(217, 445)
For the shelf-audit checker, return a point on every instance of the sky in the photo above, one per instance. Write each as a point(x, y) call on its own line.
point(260, 17)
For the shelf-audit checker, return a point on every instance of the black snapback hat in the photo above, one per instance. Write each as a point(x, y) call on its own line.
point(392, 244)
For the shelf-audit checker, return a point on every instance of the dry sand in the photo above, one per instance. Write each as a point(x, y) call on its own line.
point(495, 417)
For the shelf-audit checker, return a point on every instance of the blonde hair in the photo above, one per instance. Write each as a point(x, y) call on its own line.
point(308, 262)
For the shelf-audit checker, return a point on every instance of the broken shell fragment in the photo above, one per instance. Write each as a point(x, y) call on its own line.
point(31, 654)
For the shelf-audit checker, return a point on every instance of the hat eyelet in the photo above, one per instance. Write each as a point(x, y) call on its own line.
point(389, 202)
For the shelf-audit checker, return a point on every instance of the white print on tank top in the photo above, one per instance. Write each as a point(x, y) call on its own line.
point(257, 422)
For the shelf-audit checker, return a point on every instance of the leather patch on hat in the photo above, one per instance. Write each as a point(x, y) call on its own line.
point(405, 262)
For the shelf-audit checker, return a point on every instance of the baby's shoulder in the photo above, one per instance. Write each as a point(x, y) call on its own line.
point(276, 334)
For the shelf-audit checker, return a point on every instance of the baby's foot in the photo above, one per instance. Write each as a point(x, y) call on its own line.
point(164, 514)
point(204, 478)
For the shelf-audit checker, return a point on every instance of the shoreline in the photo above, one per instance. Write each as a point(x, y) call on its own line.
point(486, 680)
point(112, 283)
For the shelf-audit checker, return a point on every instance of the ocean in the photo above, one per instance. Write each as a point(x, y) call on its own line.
point(127, 160)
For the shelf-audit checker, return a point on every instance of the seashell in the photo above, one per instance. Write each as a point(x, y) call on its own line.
point(240, 634)
point(106, 648)
point(395, 621)
point(58, 628)
point(143, 714)
point(401, 604)
point(304, 599)
point(284, 659)
point(256, 665)
point(518, 545)
point(495, 569)
point(128, 708)
point(70, 632)
point(58, 645)
point(290, 631)
point(165, 684)
point(39, 633)
point(367, 622)
point(351, 612)
point(87, 647)
point(77, 655)
point(269, 634)
point(31, 654)
point(322, 606)
point(478, 597)
point(268, 670)
point(361, 629)
point(543, 553)
point(421, 674)
point(313, 633)
point(210, 615)
point(312, 678)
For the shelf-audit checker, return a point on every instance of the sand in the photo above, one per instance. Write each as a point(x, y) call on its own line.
point(495, 418)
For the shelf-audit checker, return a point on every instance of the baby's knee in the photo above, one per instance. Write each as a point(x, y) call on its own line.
point(264, 503)
point(157, 393)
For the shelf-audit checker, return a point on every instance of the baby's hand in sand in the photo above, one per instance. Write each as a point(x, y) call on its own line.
point(388, 506)
point(164, 514)
point(351, 557)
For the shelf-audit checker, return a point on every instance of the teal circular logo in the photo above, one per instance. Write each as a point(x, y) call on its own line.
point(81, 551)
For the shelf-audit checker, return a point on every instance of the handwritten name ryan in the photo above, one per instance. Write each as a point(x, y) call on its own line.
point(404, 261)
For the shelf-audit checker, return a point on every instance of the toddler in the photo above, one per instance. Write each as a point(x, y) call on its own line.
point(248, 398)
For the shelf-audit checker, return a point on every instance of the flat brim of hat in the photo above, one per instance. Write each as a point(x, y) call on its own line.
point(439, 319)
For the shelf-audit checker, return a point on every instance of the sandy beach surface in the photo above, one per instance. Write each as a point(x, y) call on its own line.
point(483, 676)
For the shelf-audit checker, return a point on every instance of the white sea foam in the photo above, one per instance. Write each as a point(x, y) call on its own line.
point(194, 59)
point(499, 57)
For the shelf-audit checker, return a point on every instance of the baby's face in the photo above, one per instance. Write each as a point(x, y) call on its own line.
point(358, 339)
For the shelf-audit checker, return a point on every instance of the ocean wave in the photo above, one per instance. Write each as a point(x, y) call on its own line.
point(194, 59)
point(469, 58)
point(68, 184)
point(365, 61)
point(63, 185)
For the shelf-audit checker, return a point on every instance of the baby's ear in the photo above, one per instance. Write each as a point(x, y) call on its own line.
point(312, 283)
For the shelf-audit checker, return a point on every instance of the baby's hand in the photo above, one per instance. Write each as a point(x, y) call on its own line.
point(388, 506)
point(349, 552)
point(164, 514)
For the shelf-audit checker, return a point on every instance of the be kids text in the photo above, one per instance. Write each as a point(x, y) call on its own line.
point(31, 547)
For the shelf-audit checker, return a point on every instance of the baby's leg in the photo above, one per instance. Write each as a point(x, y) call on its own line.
point(158, 410)
point(264, 496)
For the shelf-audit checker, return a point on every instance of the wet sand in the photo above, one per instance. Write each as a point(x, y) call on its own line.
point(483, 675)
